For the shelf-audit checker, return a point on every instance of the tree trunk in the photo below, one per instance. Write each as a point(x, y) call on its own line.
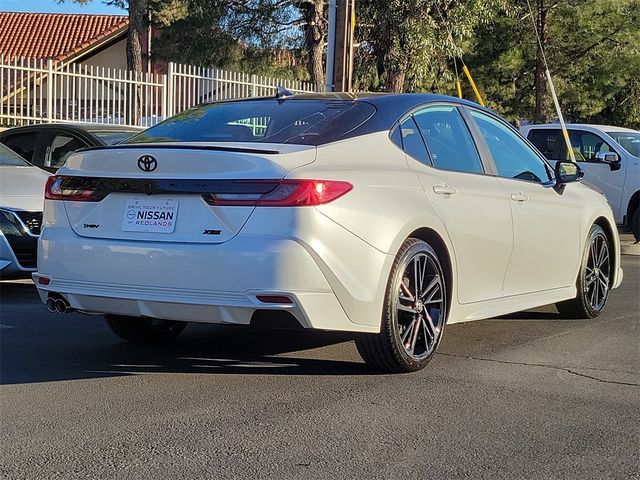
point(540, 113)
point(316, 66)
point(315, 33)
point(137, 15)
point(396, 77)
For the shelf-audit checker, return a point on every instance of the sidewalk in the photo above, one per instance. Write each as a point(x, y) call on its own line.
point(627, 246)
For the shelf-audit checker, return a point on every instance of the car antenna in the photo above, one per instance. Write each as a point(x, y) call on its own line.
point(283, 93)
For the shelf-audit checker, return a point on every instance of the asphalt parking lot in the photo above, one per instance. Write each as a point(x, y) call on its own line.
point(524, 396)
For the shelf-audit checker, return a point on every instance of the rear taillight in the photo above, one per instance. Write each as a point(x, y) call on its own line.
point(286, 193)
point(70, 188)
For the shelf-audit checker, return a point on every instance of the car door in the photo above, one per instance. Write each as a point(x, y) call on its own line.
point(471, 205)
point(58, 146)
point(547, 238)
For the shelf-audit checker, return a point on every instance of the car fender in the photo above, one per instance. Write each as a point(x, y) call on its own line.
point(598, 211)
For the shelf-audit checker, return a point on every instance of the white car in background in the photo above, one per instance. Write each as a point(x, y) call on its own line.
point(21, 199)
point(609, 157)
point(385, 215)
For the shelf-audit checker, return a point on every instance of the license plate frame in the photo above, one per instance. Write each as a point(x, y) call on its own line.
point(150, 215)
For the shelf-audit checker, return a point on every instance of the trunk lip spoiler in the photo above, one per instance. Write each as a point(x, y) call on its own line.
point(104, 186)
point(141, 146)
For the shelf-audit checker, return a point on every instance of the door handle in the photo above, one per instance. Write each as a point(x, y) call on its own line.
point(444, 189)
point(519, 197)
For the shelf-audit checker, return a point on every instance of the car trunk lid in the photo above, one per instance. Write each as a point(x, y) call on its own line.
point(158, 192)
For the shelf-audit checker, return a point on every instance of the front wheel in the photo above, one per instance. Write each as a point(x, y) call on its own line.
point(144, 330)
point(414, 312)
point(594, 278)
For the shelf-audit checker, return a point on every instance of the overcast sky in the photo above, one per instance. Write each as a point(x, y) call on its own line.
point(95, 6)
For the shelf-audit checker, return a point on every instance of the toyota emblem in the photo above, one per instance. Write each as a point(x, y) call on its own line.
point(147, 163)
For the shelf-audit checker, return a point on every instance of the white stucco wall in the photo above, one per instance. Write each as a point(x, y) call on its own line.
point(114, 56)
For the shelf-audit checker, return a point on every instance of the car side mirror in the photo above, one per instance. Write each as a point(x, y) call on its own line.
point(567, 172)
point(607, 157)
point(610, 158)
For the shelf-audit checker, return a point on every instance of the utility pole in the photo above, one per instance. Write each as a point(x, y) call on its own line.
point(342, 15)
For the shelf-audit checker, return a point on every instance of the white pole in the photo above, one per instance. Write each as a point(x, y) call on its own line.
point(331, 45)
point(49, 91)
point(170, 90)
point(565, 133)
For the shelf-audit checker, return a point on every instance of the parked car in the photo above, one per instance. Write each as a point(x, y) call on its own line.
point(609, 157)
point(21, 198)
point(49, 145)
point(385, 215)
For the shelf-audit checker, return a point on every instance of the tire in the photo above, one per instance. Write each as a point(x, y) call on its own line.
point(412, 325)
point(594, 278)
point(635, 224)
point(144, 330)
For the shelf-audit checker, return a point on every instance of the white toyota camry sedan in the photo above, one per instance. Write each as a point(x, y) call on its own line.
point(386, 215)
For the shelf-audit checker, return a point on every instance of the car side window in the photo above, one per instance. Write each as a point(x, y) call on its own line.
point(549, 142)
point(412, 141)
point(512, 156)
point(61, 147)
point(24, 144)
point(448, 139)
point(586, 145)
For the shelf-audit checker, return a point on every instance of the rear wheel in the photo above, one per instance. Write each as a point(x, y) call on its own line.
point(414, 312)
point(593, 279)
point(144, 330)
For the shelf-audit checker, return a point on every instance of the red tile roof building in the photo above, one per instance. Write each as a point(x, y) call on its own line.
point(57, 36)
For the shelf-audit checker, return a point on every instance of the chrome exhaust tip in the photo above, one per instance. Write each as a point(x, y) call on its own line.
point(58, 304)
point(51, 305)
point(61, 306)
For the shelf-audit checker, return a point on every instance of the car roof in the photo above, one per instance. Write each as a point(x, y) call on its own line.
point(390, 107)
point(374, 98)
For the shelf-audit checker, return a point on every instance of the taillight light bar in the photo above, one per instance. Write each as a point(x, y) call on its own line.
point(216, 192)
point(63, 188)
point(287, 193)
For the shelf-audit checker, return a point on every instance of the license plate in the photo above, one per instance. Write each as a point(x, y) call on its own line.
point(150, 215)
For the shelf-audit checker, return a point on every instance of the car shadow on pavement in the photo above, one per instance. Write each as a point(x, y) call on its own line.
point(39, 346)
point(533, 315)
point(17, 291)
point(216, 350)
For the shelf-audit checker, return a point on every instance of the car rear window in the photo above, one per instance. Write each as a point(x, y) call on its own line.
point(306, 122)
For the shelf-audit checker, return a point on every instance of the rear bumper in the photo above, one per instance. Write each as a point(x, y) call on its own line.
point(319, 310)
point(215, 283)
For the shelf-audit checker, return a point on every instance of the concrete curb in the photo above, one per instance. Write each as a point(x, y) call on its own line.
point(629, 248)
point(628, 245)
